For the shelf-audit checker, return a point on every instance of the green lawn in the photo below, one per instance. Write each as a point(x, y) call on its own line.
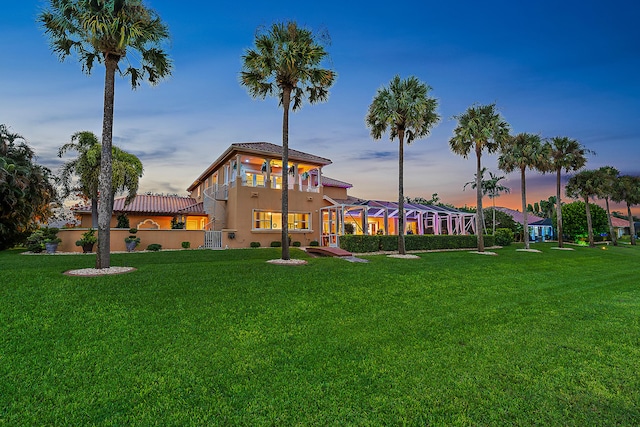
point(223, 338)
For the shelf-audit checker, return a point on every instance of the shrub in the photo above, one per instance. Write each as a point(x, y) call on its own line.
point(349, 228)
point(35, 242)
point(186, 245)
point(154, 247)
point(503, 237)
point(123, 221)
point(297, 244)
point(254, 244)
point(574, 220)
point(276, 244)
point(314, 243)
point(363, 244)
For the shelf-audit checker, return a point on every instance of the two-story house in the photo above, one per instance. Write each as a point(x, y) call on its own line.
point(242, 194)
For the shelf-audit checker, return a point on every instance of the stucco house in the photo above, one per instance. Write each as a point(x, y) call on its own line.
point(241, 193)
point(237, 200)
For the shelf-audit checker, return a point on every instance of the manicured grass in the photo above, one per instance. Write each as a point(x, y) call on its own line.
point(223, 338)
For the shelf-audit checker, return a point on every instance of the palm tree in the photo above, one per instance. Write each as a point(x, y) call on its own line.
point(106, 31)
point(480, 128)
point(570, 155)
point(127, 170)
point(585, 184)
point(608, 178)
point(627, 189)
point(523, 151)
point(491, 188)
point(285, 63)
point(405, 110)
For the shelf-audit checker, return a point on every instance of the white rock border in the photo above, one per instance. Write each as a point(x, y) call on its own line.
point(287, 261)
point(94, 272)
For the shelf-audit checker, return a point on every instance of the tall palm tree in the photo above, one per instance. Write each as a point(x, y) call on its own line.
point(406, 111)
point(108, 31)
point(127, 170)
point(285, 62)
point(608, 178)
point(570, 155)
point(480, 128)
point(524, 151)
point(585, 184)
point(627, 189)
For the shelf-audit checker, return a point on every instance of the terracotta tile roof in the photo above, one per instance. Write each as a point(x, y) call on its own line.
point(159, 205)
point(273, 149)
point(330, 182)
point(619, 222)
point(265, 149)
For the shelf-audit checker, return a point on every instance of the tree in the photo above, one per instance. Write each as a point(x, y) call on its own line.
point(480, 128)
point(575, 219)
point(585, 184)
point(127, 170)
point(285, 62)
point(608, 178)
point(106, 31)
point(27, 190)
point(627, 189)
point(491, 188)
point(524, 151)
point(570, 155)
point(406, 111)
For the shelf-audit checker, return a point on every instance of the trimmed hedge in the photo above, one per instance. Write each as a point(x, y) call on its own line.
point(413, 242)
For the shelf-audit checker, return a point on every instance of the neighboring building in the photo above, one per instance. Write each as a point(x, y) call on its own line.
point(153, 212)
point(241, 193)
point(540, 229)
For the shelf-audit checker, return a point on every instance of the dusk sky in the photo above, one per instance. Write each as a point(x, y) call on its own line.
point(556, 68)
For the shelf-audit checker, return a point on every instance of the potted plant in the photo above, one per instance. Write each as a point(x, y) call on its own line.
point(87, 240)
point(51, 239)
point(132, 241)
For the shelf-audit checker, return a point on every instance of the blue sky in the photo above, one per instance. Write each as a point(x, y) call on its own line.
point(557, 68)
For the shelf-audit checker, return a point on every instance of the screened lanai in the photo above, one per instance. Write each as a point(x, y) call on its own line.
point(381, 217)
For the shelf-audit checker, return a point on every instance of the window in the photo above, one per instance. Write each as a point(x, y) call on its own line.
point(265, 220)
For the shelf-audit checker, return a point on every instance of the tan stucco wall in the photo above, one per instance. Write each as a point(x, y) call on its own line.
point(169, 239)
point(243, 200)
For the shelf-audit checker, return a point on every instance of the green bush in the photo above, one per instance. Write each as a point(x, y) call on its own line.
point(314, 243)
point(574, 220)
point(297, 244)
point(123, 221)
point(186, 245)
point(35, 242)
point(254, 244)
point(413, 242)
point(503, 237)
point(276, 244)
point(155, 247)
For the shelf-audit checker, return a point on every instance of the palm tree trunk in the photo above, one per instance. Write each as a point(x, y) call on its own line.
point(494, 214)
point(632, 226)
point(479, 213)
point(589, 223)
point(94, 213)
point(559, 209)
point(612, 233)
point(401, 246)
point(525, 225)
point(105, 204)
point(286, 101)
